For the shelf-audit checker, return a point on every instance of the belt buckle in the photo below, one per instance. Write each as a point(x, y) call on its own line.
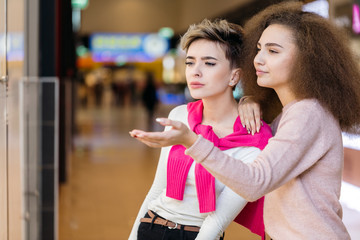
point(173, 227)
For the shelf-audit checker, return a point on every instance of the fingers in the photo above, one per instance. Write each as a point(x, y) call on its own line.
point(257, 117)
point(250, 114)
point(241, 115)
point(169, 122)
point(244, 116)
point(176, 134)
point(251, 119)
point(150, 144)
point(138, 134)
point(148, 136)
point(152, 139)
point(248, 125)
point(134, 133)
point(163, 121)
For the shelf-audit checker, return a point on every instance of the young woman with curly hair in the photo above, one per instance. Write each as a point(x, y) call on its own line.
point(300, 61)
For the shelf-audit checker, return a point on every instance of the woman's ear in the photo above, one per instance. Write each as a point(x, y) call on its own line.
point(235, 76)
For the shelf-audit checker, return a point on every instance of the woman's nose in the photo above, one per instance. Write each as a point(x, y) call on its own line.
point(197, 70)
point(258, 60)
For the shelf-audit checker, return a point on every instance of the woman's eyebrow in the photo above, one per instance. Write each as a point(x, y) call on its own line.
point(270, 45)
point(208, 58)
point(273, 45)
point(203, 58)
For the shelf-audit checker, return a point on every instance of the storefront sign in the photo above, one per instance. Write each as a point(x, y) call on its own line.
point(119, 48)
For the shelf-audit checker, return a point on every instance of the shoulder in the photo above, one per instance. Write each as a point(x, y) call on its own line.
point(178, 110)
point(310, 109)
point(297, 112)
point(308, 116)
point(179, 113)
point(305, 105)
point(304, 110)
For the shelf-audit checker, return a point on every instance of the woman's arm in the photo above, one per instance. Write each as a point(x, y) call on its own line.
point(249, 112)
point(228, 204)
point(298, 144)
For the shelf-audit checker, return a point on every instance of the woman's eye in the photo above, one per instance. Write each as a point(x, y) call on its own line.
point(273, 51)
point(188, 63)
point(258, 49)
point(210, 64)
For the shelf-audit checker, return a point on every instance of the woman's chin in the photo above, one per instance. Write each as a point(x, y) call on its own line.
point(261, 83)
point(196, 96)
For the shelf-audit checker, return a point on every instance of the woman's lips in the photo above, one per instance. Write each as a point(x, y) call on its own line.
point(259, 73)
point(196, 85)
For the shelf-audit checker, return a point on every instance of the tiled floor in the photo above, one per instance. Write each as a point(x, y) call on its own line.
point(110, 174)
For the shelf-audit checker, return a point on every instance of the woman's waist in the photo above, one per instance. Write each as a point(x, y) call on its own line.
point(184, 211)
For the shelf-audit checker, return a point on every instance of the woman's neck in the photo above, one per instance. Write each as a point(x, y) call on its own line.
point(285, 95)
point(220, 114)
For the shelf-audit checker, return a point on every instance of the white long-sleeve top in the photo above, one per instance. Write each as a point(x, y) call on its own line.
point(228, 203)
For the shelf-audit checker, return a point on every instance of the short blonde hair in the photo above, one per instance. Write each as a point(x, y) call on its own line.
point(229, 35)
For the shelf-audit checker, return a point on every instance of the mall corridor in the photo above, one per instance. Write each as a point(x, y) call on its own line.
point(68, 168)
point(110, 174)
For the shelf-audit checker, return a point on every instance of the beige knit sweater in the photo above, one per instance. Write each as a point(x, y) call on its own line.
point(300, 171)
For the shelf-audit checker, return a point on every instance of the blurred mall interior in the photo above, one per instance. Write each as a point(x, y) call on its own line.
point(74, 74)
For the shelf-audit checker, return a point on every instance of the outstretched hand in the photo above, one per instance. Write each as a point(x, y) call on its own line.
point(179, 133)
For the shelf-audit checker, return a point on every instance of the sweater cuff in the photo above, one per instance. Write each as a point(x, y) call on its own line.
point(200, 149)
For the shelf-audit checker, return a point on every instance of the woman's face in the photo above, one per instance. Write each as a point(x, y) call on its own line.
point(275, 58)
point(208, 72)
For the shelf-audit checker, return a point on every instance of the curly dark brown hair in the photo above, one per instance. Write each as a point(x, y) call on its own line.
point(326, 68)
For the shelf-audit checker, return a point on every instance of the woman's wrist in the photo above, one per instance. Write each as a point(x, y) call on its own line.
point(190, 139)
